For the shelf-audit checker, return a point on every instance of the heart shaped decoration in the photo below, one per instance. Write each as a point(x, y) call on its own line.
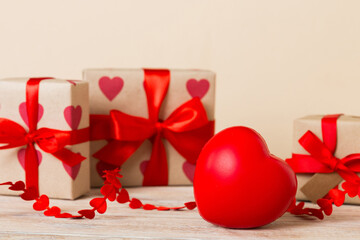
point(143, 166)
point(239, 184)
point(21, 157)
point(111, 87)
point(197, 88)
point(189, 170)
point(24, 115)
point(72, 171)
point(73, 116)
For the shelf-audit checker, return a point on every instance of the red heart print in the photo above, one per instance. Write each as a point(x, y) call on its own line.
point(143, 166)
point(189, 170)
point(18, 186)
point(72, 171)
point(73, 116)
point(24, 115)
point(41, 203)
point(197, 88)
point(111, 87)
point(21, 157)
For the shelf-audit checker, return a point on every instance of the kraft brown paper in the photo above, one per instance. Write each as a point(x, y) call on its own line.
point(54, 95)
point(132, 100)
point(314, 186)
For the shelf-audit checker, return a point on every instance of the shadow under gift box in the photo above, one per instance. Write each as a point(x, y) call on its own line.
point(348, 142)
point(63, 105)
point(123, 90)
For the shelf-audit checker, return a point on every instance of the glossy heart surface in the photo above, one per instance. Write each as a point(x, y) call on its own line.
point(239, 184)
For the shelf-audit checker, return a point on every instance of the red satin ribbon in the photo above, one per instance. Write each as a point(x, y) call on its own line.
point(321, 158)
point(49, 140)
point(187, 129)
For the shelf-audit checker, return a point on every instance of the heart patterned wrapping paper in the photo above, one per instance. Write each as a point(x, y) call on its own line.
point(123, 90)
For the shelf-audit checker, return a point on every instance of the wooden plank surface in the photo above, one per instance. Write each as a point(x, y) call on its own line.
point(18, 221)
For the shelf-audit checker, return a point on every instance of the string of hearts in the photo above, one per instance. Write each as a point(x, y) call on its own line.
point(112, 190)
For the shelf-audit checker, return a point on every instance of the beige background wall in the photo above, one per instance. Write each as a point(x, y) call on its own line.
point(276, 60)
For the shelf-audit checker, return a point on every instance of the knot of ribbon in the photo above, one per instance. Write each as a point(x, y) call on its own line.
point(187, 129)
point(321, 158)
point(13, 135)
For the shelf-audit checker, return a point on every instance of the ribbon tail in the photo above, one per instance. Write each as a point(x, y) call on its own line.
point(117, 152)
point(69, 157)
point(31, 169)
point(156, 173)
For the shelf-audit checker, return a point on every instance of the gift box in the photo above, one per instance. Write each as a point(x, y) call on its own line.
point(325, 152)
point(151, 123)
point(44, 133)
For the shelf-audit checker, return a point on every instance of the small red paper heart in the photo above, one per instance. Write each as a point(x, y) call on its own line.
point(109, 191)
point(111, 87)
point(24, 115)
point(190, 205)
point(99, 204)
point(135, 203)
point(18, 186)
point(72, 116)
point(162, 208)
point(41, 203)
point(351, 188)
point(197, 88)
point(29, 194)
point(90, 214)
point(337, 196)
point(325, 205)
point(53, 211)
point(149, 207)
point(123, 196)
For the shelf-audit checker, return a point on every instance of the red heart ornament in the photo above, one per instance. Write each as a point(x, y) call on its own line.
point(239, 184)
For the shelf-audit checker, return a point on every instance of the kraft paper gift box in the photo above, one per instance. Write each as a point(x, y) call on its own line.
point(124, 90)
point(314, 186)
point(63, 105)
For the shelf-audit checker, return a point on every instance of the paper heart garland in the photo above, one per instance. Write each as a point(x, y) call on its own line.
point(73, 116)
point(111, 87)
point(24, 115)
point(239, 184)
point(21, 157)
point(197, 88)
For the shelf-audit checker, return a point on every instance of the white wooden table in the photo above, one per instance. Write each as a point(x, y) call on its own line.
point(19, 221)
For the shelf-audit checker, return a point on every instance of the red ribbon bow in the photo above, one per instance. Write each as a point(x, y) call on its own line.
point(49, 140)
point(321, 158)
point(187, 129)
